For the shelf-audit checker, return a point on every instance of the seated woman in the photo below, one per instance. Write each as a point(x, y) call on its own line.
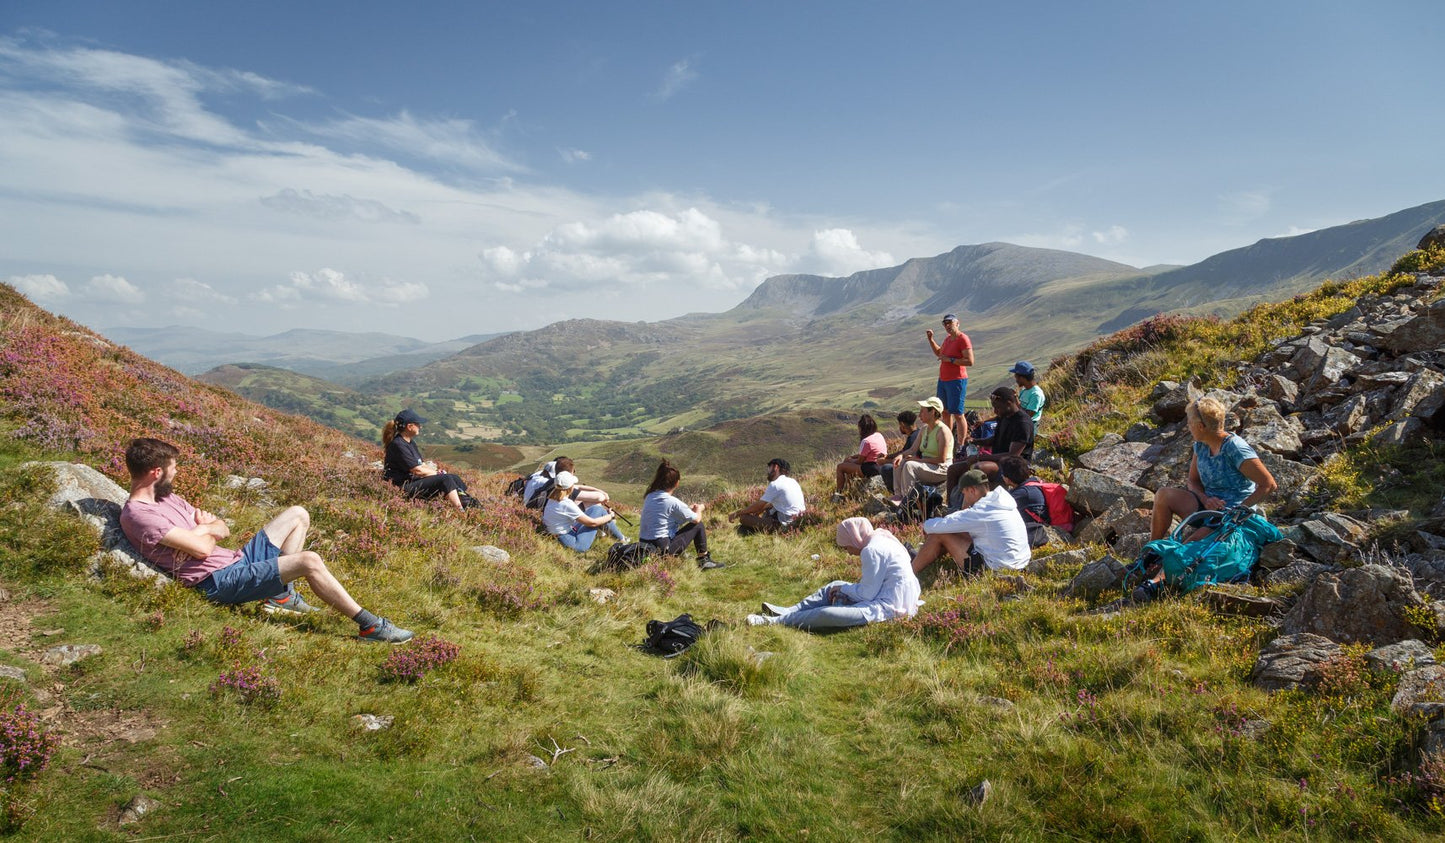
point(539, 486)
point(1224, 472)
point(871, 450)
point(887, 588)
point(573, 527)
point(404, 466)
point(668, 524)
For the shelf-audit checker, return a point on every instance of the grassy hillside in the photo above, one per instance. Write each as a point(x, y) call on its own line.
point(1139, 726)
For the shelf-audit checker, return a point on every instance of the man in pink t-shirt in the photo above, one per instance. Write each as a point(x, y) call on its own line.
point(184, 542)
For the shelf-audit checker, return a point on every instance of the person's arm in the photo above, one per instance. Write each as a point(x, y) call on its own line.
point(590, 521)
point(966, 358)
point(1196, 485)
point(757, 507)
point(425, 469)
point(1264, 483)
point(198, 541)
point(937, 349)
point(947, 438)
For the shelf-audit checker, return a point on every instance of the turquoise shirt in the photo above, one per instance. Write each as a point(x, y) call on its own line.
point(1220, 473)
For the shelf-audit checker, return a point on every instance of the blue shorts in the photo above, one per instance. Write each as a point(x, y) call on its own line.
point(255, 576)
point(951, 393)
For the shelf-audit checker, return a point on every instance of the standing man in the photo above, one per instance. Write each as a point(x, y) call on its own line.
point(954, 358)
point(184, 542)
point(780, 503)
point(928, 459)
point(1031, 395)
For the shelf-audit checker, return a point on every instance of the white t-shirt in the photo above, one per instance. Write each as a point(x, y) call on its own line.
point(538, 479)
point(786, 496)
point(997, 528)
point(560, 517)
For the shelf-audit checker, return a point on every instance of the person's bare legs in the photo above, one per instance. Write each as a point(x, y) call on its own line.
point(454, 498)
point(758, 522)
point(1169, 502)
point(288, 530)
point(847, 471)
point(310, 567)
point(956, 545)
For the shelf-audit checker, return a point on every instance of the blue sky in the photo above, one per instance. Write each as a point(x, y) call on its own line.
point(473, 167)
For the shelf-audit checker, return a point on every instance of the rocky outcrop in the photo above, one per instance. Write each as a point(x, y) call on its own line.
point(1292, 661)
point(1373, 604)
point(97, 500)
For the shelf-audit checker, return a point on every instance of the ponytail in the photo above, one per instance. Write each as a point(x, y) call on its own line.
point(388, 433)
point(665, 478)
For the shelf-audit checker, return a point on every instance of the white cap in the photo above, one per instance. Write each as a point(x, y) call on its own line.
point(566, 480)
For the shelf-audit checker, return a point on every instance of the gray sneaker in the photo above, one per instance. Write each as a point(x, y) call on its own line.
point(385, 632)
point(289, 603)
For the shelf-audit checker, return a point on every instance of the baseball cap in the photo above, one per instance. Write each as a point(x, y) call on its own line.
point(935, 404)
point(566, 480)
point(973, 477)
point(950, 317)
point(409, 417)
point(1023, 367)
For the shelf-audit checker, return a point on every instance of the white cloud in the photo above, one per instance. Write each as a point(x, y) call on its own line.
point(1295, 231)
point(574, 156)
point(838, 252)
point(1244, 206)
point(114, 289)
point(449, 142)
point(334, 208)
point(1113, 236)
point(40, 288)
point(678, 76)
point(331, 285)
point(197, 294)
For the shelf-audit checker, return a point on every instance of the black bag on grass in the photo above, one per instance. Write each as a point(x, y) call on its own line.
point(624, 556)
point(671, 638)
point(516, 487)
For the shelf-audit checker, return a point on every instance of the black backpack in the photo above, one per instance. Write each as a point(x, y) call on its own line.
point(920, 504)
point(538, 500)
point(516, 487)
point(624, 556)
point(673, 637)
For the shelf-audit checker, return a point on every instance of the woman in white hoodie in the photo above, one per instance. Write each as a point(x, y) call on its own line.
point(887, 588)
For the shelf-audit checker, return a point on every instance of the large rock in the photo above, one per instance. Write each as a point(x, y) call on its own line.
point(1267, 430)
point(1400, 657)
point(1423, 333)
point(1234, 601)
point(1296, 573)
point(1421, 693)
point(1118, 459)
point(1292, 661)
point(1107, 574)
point(1371, 604)
point(1094, 493)
point(1399, 433)
point(1280, 388)
point(1420, 396)
point(1332, 538)
point(1063, 559)
point(1172, 400)
point(97, 500)
point(1428, 571)
point(1433, 239)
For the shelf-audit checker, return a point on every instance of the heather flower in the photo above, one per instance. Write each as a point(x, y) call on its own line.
point(411, 662)
point(250, 684)
point(25, 744)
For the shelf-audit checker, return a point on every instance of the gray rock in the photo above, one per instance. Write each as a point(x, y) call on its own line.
point(66, 654)
point(1331, 538)
point(1276, 555)
point(8, 672)
point(1228, 601)
point(1107, 574)
point(1399, 433)
point(1292, 661)
point(1297, 573)
point(492, 554)
point(1433, 239)
point(1100, 529)
point(97, 500)
point(1417, 396)
point(1433, 747)
point(254, 484)
point(533, 762)
point(1428, 571)
point(1400, 657)
point(1282, 389)
point(136, 809)
point(1425, 331)
point(1350, 416)
point(1254, 729)
point(981, 793)
point(373, 722)
point(1120, 460)
point(1129, 546)
point(1171, 406)
point(1421, 693)
point(1267, 430)
point(1366, 604)
point(1093, 492)
point(1055, 536)
point(1064, 559)
point(1294, 478)
point(998, 703)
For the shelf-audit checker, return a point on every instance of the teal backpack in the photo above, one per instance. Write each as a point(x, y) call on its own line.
point(1224, 556)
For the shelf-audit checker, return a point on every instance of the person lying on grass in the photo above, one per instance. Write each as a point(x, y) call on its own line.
point(574, 527)
point(988, 532)
point(668, 524)
point(886, 589)
point(184, 542)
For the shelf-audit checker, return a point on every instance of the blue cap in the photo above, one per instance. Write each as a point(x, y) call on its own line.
point(1023, 367)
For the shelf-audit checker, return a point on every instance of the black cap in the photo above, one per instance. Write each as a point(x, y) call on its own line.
point(409, 417)
point(781, 463)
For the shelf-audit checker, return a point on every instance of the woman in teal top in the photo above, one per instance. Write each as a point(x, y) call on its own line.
point(1224, 472)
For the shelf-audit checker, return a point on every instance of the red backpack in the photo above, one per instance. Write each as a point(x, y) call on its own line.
point(1061, 514)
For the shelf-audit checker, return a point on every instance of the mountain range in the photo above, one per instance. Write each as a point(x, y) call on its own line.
point(853, 343)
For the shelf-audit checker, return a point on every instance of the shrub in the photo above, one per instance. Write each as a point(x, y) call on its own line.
point(251, 686)
point(25, 744)
point(412, 662)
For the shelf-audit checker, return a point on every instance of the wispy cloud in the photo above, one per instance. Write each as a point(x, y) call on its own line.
point(328, 207)
point(330, 285)
point(114, 289)
point(1244, 206)
point(449, 142)
point(574, 156)
point(678, 76)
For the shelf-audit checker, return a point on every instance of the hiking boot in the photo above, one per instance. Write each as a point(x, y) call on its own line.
point(1144, 592)
point(705, 562)
point(289, 603)
point(760, 620)
point(838, 497)
point(770, 609)
point(385, 632)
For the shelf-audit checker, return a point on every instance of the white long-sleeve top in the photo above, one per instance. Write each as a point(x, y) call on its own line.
point(997, 528)
point(887, 587)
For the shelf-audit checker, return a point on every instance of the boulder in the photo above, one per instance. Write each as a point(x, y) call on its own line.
point(1100, 529)
point(1232, 601)
point(1107, 574)
point(1093, 492)
point(1400, 657)
point(1294, 478)
point(1292, 661)
point(1350, 416)
point(1267, 430)
point(1428, 571)
point(1433, 239)
point(1296, 573)
point(1276, 555)
point(1280, 388)
point(1064, 559)
point(1370, 604)
point(492, 553)
point(1419, 396)
point(1423, 332)
point(1118, 459)
point(8, 672)
point(1421, 693)
point(97, 500)
point(1331, 538)
point(136, 809)
point(1399, 433)
point(68, 654)
point(1170, 406)
point(1130, 545)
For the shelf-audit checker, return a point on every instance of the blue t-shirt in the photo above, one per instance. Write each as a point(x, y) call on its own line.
point(663, 515)
point(1220, 473)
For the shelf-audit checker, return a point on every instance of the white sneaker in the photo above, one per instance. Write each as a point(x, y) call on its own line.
point(761, 620)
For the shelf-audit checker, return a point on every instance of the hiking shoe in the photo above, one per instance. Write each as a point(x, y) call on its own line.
point(1144, 593)
point(760, 620)
point(707, 563)
point(289, 603)
point(838, 497)
point(385, 632)
point(770, 609)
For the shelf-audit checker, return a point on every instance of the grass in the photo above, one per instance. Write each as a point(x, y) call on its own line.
point(1133, 726)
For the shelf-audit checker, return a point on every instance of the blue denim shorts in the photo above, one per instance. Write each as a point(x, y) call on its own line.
point(255, 576)
point(952, 393)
